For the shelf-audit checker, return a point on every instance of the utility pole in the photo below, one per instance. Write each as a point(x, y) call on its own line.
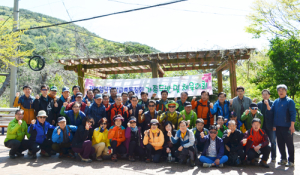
point(13, 69)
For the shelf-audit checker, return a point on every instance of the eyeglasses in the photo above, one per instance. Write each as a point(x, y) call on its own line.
point(213, 132)
point(171, 106)
point(75, 106)
point(44, 90)
point(43, 117)
point(134, 100)
point(132, 122)
point(151, 105)
point(254, 108)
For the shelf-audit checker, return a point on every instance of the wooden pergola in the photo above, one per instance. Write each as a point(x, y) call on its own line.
point(158, 63)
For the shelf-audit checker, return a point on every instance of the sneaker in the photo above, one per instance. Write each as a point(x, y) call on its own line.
point(221, 165)
point(19, 154)
point(192, 163)
point(99, 158)
point(253, 162)
point(273, 160)
point(114, 158)
point(45, 154)
point(148, 160)
point(71, 155)
point(29, 153)
point(264, 164)
point(86, 160)
point(12, 156)
point(206, 165)
point(290, 164)
point(282, 162)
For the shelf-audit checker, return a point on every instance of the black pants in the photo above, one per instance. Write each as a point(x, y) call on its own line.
point(62, 147)
point(151, 151)
point(185, 153)
point(265, 151)
point(121, 149)
point(173, 150)
point(46, 146)
point(135, 149)
point(200, 146)
point(17, 146)
point(284, 138)
point(240, 153)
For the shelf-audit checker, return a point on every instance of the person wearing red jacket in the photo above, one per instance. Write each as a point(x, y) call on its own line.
point(78, 98)
point(256, 142)
point(117, 135)
point(118, 108)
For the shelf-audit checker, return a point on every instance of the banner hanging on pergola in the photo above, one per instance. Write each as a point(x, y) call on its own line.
point(193, 84)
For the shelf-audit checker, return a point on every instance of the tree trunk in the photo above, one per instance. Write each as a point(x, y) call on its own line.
point(5, 84)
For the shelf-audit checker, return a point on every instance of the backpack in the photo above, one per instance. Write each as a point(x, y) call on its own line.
point(207, 117)
point(166, 119)
point(233, 159)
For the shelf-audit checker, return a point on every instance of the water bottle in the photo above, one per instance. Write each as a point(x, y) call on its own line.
point(169, 157)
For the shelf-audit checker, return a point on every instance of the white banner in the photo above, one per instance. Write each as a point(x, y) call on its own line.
point(193, 85)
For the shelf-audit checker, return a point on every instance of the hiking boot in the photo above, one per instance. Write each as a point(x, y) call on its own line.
point(263, 163)
point(273, 160)
point(254, 162)
point(148, 160)
point(86, 160)
point(44, 154)
point(206, 165)
point(12, 156)
point(29, 153)
point(192, 163)
point(282, 162)
point(19, 154)
point(99, 158)
point(290, 164)
point(114, 158)
point(71, 155)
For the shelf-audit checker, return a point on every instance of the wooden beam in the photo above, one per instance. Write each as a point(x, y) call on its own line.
point(220, 81)
point(80, 75)
point(126, 71)
point(160, 70)
point(223, 66)
point(189, 68)
point(154, 69)
point(233, 83)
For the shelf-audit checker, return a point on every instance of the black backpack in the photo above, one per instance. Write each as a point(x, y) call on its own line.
point(233, 159)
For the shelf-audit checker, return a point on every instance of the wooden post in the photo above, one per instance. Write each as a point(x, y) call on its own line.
point(80, 74)
point(220, 81)
point(154, 69)
point(160, 75)
point(233, 84)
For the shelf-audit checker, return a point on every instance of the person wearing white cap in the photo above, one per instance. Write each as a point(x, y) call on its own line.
point(38, 130)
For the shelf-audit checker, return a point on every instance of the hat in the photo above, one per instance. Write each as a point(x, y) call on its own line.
point(118, 117)
point(27, 86)
point(187, 103)
point(154, 121)
point(79, 94)
point(42, 113)
point(233, 113)
point(65, 89)
point(253, 105)
point(61, 119)
point(171, 102)
point(97, 96)
point(132, 118)
point(53, 88)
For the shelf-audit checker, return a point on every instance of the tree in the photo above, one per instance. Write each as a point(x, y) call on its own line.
point(279, 18)
point(284, 68)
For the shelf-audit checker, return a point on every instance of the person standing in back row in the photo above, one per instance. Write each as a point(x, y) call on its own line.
point(240, 103)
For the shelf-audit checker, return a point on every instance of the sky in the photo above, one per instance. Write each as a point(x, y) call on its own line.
point(185, 26)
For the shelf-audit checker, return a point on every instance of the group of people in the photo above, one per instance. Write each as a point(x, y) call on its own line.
point(100, 126)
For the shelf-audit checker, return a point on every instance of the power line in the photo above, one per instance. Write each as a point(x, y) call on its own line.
point(110, 14)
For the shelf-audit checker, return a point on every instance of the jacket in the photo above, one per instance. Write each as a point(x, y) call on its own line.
point(134, 113)
point(82, 108)
point(144, 105)
point(175, 119)
point(221, 131)
point(248, 119)
point(71, 117)
point(39, 132)
point(111, 100)
point(236, 106)
point(128, 137)
point(168, 143)
point(192, 116)
point(60, 138)
point(187, 141)
point(46, 104)
point(268, 119)
point(147, 119)
point(100, 137)
point(16, 131)
point(97, 113)
point(115, 110)
point(249, 136)
point(86, 98)
point(196, 133)
point(160, 105)
point(156, 140)
point(60, 103)
point(80, 136)
point(27, 105)
point(117, 134)
point(181, 105)
point(219, 146)
point(219, 111)
point(203, 111)
point(283, 112)
point(234, 140)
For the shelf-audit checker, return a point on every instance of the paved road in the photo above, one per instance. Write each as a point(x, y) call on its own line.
point(54, 165)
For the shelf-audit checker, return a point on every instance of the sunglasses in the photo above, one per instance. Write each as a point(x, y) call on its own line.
point(171, 106)
point(254, 108)
point(132, 122)
point(103, 124)
point(43, 117)
point(91, 122)
point(213, 132)
point(151, 105)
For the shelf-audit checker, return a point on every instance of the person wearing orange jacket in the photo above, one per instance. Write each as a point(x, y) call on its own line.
point(203, 109)
point(116, 134)
point(118, 108)
point(154, 140)
point(25, 102)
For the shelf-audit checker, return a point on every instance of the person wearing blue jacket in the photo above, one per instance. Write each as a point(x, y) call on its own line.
point(96, 110)
point(38, 131)
point(62, 138)
point(213, 151)
point(75, 90)
point(283, 111)
point(187, 140)
point(221, 106)
point(74, 116)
